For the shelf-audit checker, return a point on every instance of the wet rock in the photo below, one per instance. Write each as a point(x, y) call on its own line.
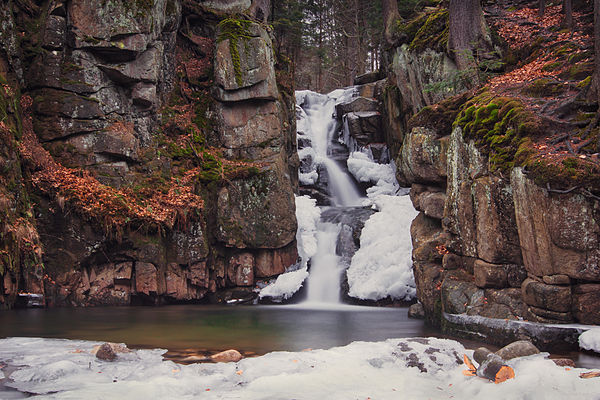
point(356, 104)
point(521, 348)
point(428, 278)
point(458, 293)
point(227, 356)
point(546, 316)
point(416, 311)
point(364, 126)
point(548, 297)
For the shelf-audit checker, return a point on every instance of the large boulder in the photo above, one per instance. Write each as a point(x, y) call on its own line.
point(257, 212)
point(364, 127)
point(558, 233)
point(423, 157)
point(244, 64)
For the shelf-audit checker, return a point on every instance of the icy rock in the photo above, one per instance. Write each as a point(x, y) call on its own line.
point(230, 355)
point(416, 311)
point(106, 353)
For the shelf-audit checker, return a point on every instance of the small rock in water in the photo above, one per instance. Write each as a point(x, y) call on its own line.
point(520, 348)
point(227, 356)
point(416, 311)
point(106, 353)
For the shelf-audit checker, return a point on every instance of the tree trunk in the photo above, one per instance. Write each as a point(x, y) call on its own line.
point(542, 8)
point(568, 10)
point(468, 33)
point(596, 80)
point(390, 16)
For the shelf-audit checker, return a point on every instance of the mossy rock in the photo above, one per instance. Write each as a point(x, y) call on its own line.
point(544, 87)
point(426, 31)
point(439, 117)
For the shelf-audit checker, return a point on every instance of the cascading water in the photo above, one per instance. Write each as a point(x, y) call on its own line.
point(323, 285)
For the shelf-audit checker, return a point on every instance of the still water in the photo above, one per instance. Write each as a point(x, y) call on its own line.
point(255, 329)
point(203, 329)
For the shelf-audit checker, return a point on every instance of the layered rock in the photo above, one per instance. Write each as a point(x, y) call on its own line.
point(150, 106)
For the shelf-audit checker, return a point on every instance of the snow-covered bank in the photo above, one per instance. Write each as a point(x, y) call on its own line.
point(382, 266)
point(392, 369)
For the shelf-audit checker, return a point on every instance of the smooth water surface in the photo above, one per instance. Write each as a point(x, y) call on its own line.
point(257, 329)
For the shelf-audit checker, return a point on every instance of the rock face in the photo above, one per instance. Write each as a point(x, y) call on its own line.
point(147, 99)
point(487, 244)
point(492, 245)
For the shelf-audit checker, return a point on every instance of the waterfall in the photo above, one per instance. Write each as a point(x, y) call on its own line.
point(321, 128)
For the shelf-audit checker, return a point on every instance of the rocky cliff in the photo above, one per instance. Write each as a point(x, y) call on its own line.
point(507, 229)
point(148, 151)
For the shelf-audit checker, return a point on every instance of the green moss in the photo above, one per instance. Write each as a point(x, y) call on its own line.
point(552, 66)
point(433, 32)
point(578, 71)
point(497, 125)
point(585, 83)
point(544, 87)
point(233, 30)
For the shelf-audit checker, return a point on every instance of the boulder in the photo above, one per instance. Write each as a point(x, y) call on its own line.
point(356, 104)
point(548, 297)
point(364, 127)
point(197, 274)
point(257, 212)
point(558, 232)
point(368, 77)
point(175, 282)
point(423, 157)
point(427, 238)
point(458, 293)
point(105, 353)
point(489, 275)
point(520, 348)
point(249, 73)
point(432, 204)
point(416, 311)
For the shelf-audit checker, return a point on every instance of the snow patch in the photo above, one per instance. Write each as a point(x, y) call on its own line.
point(381, 176)
point(590, 340)
point(382, 266)
point(417, 368)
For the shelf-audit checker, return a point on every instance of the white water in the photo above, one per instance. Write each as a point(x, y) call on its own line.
point(323, 285)
point(320, 111)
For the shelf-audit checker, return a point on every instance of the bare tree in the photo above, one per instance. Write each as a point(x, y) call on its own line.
point(542, 8)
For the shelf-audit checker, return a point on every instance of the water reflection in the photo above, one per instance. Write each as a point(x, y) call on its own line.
point(257, 329)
